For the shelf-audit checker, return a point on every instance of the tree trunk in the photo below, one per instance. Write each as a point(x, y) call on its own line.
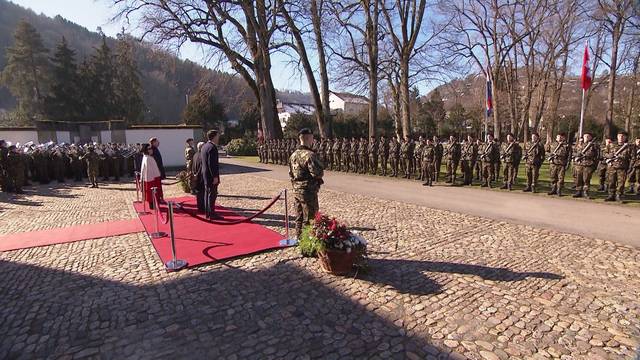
point(405, 111)
point(325, 116)
point(615, 40)
point(372, 46)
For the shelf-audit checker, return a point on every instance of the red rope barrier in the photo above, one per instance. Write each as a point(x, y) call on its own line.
point(157, 206)
point(190, 213)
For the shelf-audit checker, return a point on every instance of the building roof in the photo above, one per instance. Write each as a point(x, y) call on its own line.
point(352, 98)
point(292, 108)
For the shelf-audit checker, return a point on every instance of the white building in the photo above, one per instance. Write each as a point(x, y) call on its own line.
point(348, 103)
point(285, 110)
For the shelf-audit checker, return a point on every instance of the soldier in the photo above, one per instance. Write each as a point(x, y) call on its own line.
point(355, 144)
point(383, 155)
point(428, 154)
point(634, 171)
point(329, 154)
point(346, 155)
point(189, 151)
point(394, 155)
point(533, 157)
point(76, 164)
point(15, 170)
point(490, 152)
point(305, 172)
point(93, 163)
point(508, 157)
point(116, 162)
point(58, 161)
point(337, 154)
point(452, 155)
point(477, 164)
point(618, 157)
point(417, 157)
point(468, 159)
point(517, 158)
point(585, 160)
point(405, 156)
point(373, 156)
point(364, 155)
point(602, 166)
point(558, 158)
point(438, 160)
point(497, 164)
point(4, 152)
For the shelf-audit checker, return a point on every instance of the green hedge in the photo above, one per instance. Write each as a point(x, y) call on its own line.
point(242, 147)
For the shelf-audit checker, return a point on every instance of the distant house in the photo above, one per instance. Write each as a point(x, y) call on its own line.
point(286, 109)
point(348, 103)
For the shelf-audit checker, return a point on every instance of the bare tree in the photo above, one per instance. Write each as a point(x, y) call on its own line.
point(239, 32)
point(356, 43)
point(404, 24)
point(298, 19)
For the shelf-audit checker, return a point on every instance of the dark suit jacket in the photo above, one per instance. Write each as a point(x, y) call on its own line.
point(210, 165)
point(196, 169)
point(158, 158)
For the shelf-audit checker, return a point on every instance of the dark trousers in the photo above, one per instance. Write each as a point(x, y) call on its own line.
point(199, 192)
point(210, 196)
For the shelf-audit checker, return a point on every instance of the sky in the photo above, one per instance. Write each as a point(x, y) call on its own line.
point(92, 14)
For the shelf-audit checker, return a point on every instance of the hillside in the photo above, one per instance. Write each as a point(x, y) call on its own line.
point(166, 79)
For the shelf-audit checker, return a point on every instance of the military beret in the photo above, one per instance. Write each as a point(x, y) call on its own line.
point(587, 133)
point(305, 131)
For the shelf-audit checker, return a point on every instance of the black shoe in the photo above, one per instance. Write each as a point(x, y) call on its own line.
point(527, 189)
point(601, 188)
point(610, 198)
point(504, 187)
point(577, 194)
point(552, 192)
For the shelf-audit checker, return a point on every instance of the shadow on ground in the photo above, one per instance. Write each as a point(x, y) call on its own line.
point(230, 169)
point(279, 312)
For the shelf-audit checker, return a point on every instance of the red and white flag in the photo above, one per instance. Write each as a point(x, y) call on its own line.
point(586, 70)
point(489, 99)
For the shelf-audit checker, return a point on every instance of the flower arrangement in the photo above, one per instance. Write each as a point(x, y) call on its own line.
point(184, 179)
point(327, 237)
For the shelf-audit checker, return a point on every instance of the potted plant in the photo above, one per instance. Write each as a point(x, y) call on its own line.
point(184, 179)
point(338, 249)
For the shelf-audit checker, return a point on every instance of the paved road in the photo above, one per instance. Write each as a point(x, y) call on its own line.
point(594, 220)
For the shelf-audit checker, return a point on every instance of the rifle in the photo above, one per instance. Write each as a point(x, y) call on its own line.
point(533, 147)
point(554, 153)
point(504, 155)
point(616, 154)
point(486, 151)
point(581, 154)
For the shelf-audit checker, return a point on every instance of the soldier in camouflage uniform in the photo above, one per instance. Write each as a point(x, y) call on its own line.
point(468, 159)
point(329, 154)
point(373, 155)
point(634, 171)
point(490, 152)
point(452, 154)
point(189, 151)
point(428, 153)
point(355, 144)
point(508, 156)
point(305, 172)
point(559, 153)
point(58, 159)
point(619, 156)
point(383, 155)
point(394, 155)
point(405, 156)
point(585, 160)
point(438, 160)
point(417, 157)
point(93, 161)
point(116, 162)
point(337, 154)
point(346, 155)
point(534, 155)
point(15, 170)
point(363, 155)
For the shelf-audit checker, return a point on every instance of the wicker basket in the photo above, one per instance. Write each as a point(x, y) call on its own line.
point(337, 262)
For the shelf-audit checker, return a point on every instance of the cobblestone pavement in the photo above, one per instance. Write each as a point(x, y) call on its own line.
point(441, 285)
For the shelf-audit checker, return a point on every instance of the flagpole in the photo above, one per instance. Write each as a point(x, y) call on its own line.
point(581, 115)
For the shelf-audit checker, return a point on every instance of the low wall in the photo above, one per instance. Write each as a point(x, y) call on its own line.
point(19, 135)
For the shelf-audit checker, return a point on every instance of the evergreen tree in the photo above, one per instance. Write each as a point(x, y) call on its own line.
point(203, 109)
point(63, 100)
point(128, 89)
point(25, 71)
point(101, 100)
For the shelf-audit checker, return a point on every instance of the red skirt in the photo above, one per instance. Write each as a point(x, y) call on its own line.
point(157, 182)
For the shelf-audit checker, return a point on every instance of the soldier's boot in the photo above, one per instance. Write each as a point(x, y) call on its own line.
point(527, 188)
point(553, 191)
point(559, 192)
point(631, 190)
point(509, 187)
point(611, 197)
point(578, 194)
point(533, 189)
point(618, 198)
point(601, 188)
point(504, 187)
point(585, 194)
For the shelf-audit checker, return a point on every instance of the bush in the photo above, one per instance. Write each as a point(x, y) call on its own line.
point(308, 244)
point(242, 147)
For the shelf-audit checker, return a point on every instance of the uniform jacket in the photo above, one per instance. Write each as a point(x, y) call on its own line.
point(617, 158)
point(305, 170)
point(559, 153)
point(586, 154)
point(534, 154)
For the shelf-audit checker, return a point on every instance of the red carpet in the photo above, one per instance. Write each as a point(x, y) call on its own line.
point(69, 234)
point(199, 242)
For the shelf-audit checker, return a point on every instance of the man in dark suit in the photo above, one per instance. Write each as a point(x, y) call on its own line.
point(211, 173)
point(155, 143)
point(198, 183)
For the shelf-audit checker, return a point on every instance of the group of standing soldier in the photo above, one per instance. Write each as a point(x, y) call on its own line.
point(19, 165)
point(615, 162)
